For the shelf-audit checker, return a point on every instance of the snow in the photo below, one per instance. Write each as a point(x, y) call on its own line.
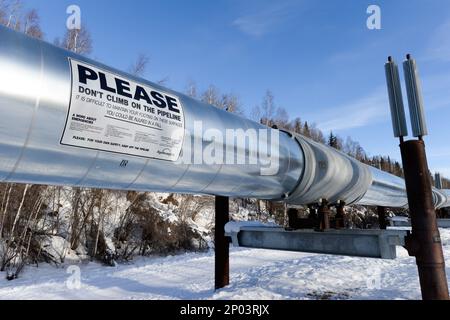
point(255, 275)
point(58, 248)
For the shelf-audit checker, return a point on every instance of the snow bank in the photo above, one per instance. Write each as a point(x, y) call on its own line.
point(255, 275)
point(58, 249)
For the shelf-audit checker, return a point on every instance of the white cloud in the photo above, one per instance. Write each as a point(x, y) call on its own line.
point(436, 90)
point(261, 22)
point(439, 48)
point(375, 107)
point(370, 109)
point(439, 153)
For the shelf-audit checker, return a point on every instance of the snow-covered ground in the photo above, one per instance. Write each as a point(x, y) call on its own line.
point(255, 274)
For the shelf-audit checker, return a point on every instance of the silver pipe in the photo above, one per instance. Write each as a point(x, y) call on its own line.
point(385, 190)
point(35, 94)
point(40, 94)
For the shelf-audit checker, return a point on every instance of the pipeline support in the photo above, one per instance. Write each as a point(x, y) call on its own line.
point(382, 217)
point(324, 216)
point(340, 216)
point(424, 243)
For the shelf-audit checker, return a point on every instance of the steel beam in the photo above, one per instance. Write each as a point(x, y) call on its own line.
point(442, 223)
point(359, 243)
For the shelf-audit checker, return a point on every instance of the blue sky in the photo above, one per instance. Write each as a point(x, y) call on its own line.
point(318, 57)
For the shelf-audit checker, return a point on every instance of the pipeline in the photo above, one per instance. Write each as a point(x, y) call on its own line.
point(68, 120)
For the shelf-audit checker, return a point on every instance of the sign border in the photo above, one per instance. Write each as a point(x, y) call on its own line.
point(109, 151)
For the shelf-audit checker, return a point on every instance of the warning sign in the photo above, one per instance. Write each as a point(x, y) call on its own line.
point(111, 113)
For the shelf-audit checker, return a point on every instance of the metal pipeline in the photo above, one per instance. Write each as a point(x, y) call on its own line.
point(35, 95)
point(50, 135)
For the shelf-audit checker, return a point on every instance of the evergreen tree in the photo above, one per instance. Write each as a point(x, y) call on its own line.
point(332, 140)
point(306, 131)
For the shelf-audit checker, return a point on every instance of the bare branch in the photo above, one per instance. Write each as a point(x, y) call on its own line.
point(191, 89)
point(139, 67)
point(31, 24)
point(78, 41)
point(211, 96)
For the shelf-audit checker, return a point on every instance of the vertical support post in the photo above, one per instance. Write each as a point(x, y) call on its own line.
point(439, 213)
point(324, 216)
point(382, 217)
point(424, 243)
point(221, 242)
point(313, 217)
point(340, 215)
point(293, 218)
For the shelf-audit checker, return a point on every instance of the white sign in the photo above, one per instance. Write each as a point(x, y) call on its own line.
point(111, 113)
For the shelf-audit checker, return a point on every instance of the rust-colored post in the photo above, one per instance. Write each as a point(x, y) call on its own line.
point(293, 218)
point(382, 217)
point(313, 217)
point(340, 215)
point(221, 243)
point(324, 215)
point(424, 242)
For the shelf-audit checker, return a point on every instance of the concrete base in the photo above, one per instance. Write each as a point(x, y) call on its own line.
point(360, 243)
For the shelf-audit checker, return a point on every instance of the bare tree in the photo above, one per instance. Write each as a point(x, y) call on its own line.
point(5, 203)
point(11, 15)
point(13, 19)
point(231, 103)
point(255, 114)
point(20, 208)
point(163, 81)
point(211, 96)
point(268, 108)
point(281, 118)
point(317, 135)
point(3, 12)
point(191, 89)
point(139, 67)
point(31, 24)
point(77, 40)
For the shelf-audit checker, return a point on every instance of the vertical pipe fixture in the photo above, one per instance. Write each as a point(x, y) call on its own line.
point(382, 217)
point(324, 215)
point(221, 243)
point(424, 242)
point(340, 215)
point(415, 99)
point(395, 99)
